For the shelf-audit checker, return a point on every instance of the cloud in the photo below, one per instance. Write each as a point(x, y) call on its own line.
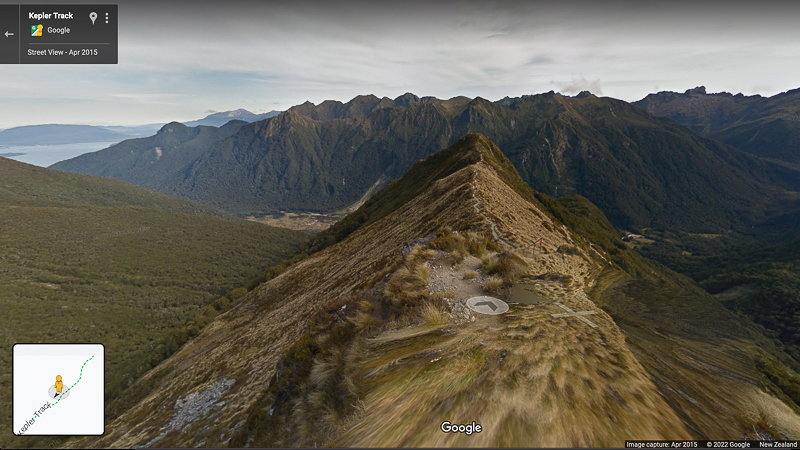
point(539, 60)
point(576, 85)
point(151, 99)
point(250, 54)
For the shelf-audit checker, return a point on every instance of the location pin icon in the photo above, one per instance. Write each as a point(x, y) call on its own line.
point(93, 16)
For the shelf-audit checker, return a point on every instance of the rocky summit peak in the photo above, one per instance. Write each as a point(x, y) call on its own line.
point(699, 90)
point(406, 99)
point(170, 127)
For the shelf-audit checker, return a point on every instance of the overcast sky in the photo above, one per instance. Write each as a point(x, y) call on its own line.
point(179, 60)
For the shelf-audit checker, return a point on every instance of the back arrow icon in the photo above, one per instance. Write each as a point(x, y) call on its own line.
point(489, 304)
point(9, 34)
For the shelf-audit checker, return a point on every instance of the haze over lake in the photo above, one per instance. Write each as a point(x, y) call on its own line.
point(47, 155)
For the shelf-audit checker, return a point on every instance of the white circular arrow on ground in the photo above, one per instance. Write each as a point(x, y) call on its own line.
point(487, 305)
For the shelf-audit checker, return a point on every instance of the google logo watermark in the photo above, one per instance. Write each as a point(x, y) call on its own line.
point(467, 429)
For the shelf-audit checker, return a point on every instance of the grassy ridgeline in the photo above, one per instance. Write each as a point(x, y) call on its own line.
point(77, 265)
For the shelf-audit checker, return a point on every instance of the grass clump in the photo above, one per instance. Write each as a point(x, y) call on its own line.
point(459, 245)
point(457, 255)
point(510, 266)
point(450, 241)
point(490, 264)
point(567, 250)
point(422, 274)
point(477, 248)
point(470, 275)
point(433, 315)
point(406, 288)
point(493, 283)
point(428, 253)
point(415, 253)
point(366, 323)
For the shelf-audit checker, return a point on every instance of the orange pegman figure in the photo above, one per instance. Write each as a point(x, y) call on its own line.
point(59, 385)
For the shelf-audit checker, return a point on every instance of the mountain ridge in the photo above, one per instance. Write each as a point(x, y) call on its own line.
point(379, 352)
point(764, 126)
point(219, 119)
point(149, 160)
point(56, 134)
point(643, 171)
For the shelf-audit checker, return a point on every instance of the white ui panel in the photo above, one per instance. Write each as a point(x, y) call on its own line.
point(58, 389)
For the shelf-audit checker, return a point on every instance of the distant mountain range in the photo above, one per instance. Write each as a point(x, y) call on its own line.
point(643, 171)
point(59, 134)
point(763, 126)
point(221, 118)
point(151, 160)
point(74, 134)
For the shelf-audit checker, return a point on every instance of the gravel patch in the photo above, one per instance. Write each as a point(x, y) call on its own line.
point(194, 406)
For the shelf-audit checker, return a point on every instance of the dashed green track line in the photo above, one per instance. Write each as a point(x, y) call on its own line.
point(76, 382)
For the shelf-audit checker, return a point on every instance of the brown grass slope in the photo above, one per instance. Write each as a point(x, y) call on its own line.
point(346, 347)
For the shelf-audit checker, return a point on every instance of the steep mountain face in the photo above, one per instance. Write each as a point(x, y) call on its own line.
point(221, 118)
point(90, 259)
point(765, 127)
point(752, 272)
point(368, 343)
point(641, 170)
point(297, 163)
point(150, 161)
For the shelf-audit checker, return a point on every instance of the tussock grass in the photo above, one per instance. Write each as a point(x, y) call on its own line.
point(325, 379)
point(510, 267)
point(415, 253)
point(470, 275)
point(403, 273)
point(366, 306)
point(460, 245)
point(477, 248)
point(493, 283)
point(433, 316)
point(458, 255)
point(568, 249)
point(407, 286)
point(422, 274)
point(322, 372)
point(449, 243)
point(490, 264)
point(366, 323)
